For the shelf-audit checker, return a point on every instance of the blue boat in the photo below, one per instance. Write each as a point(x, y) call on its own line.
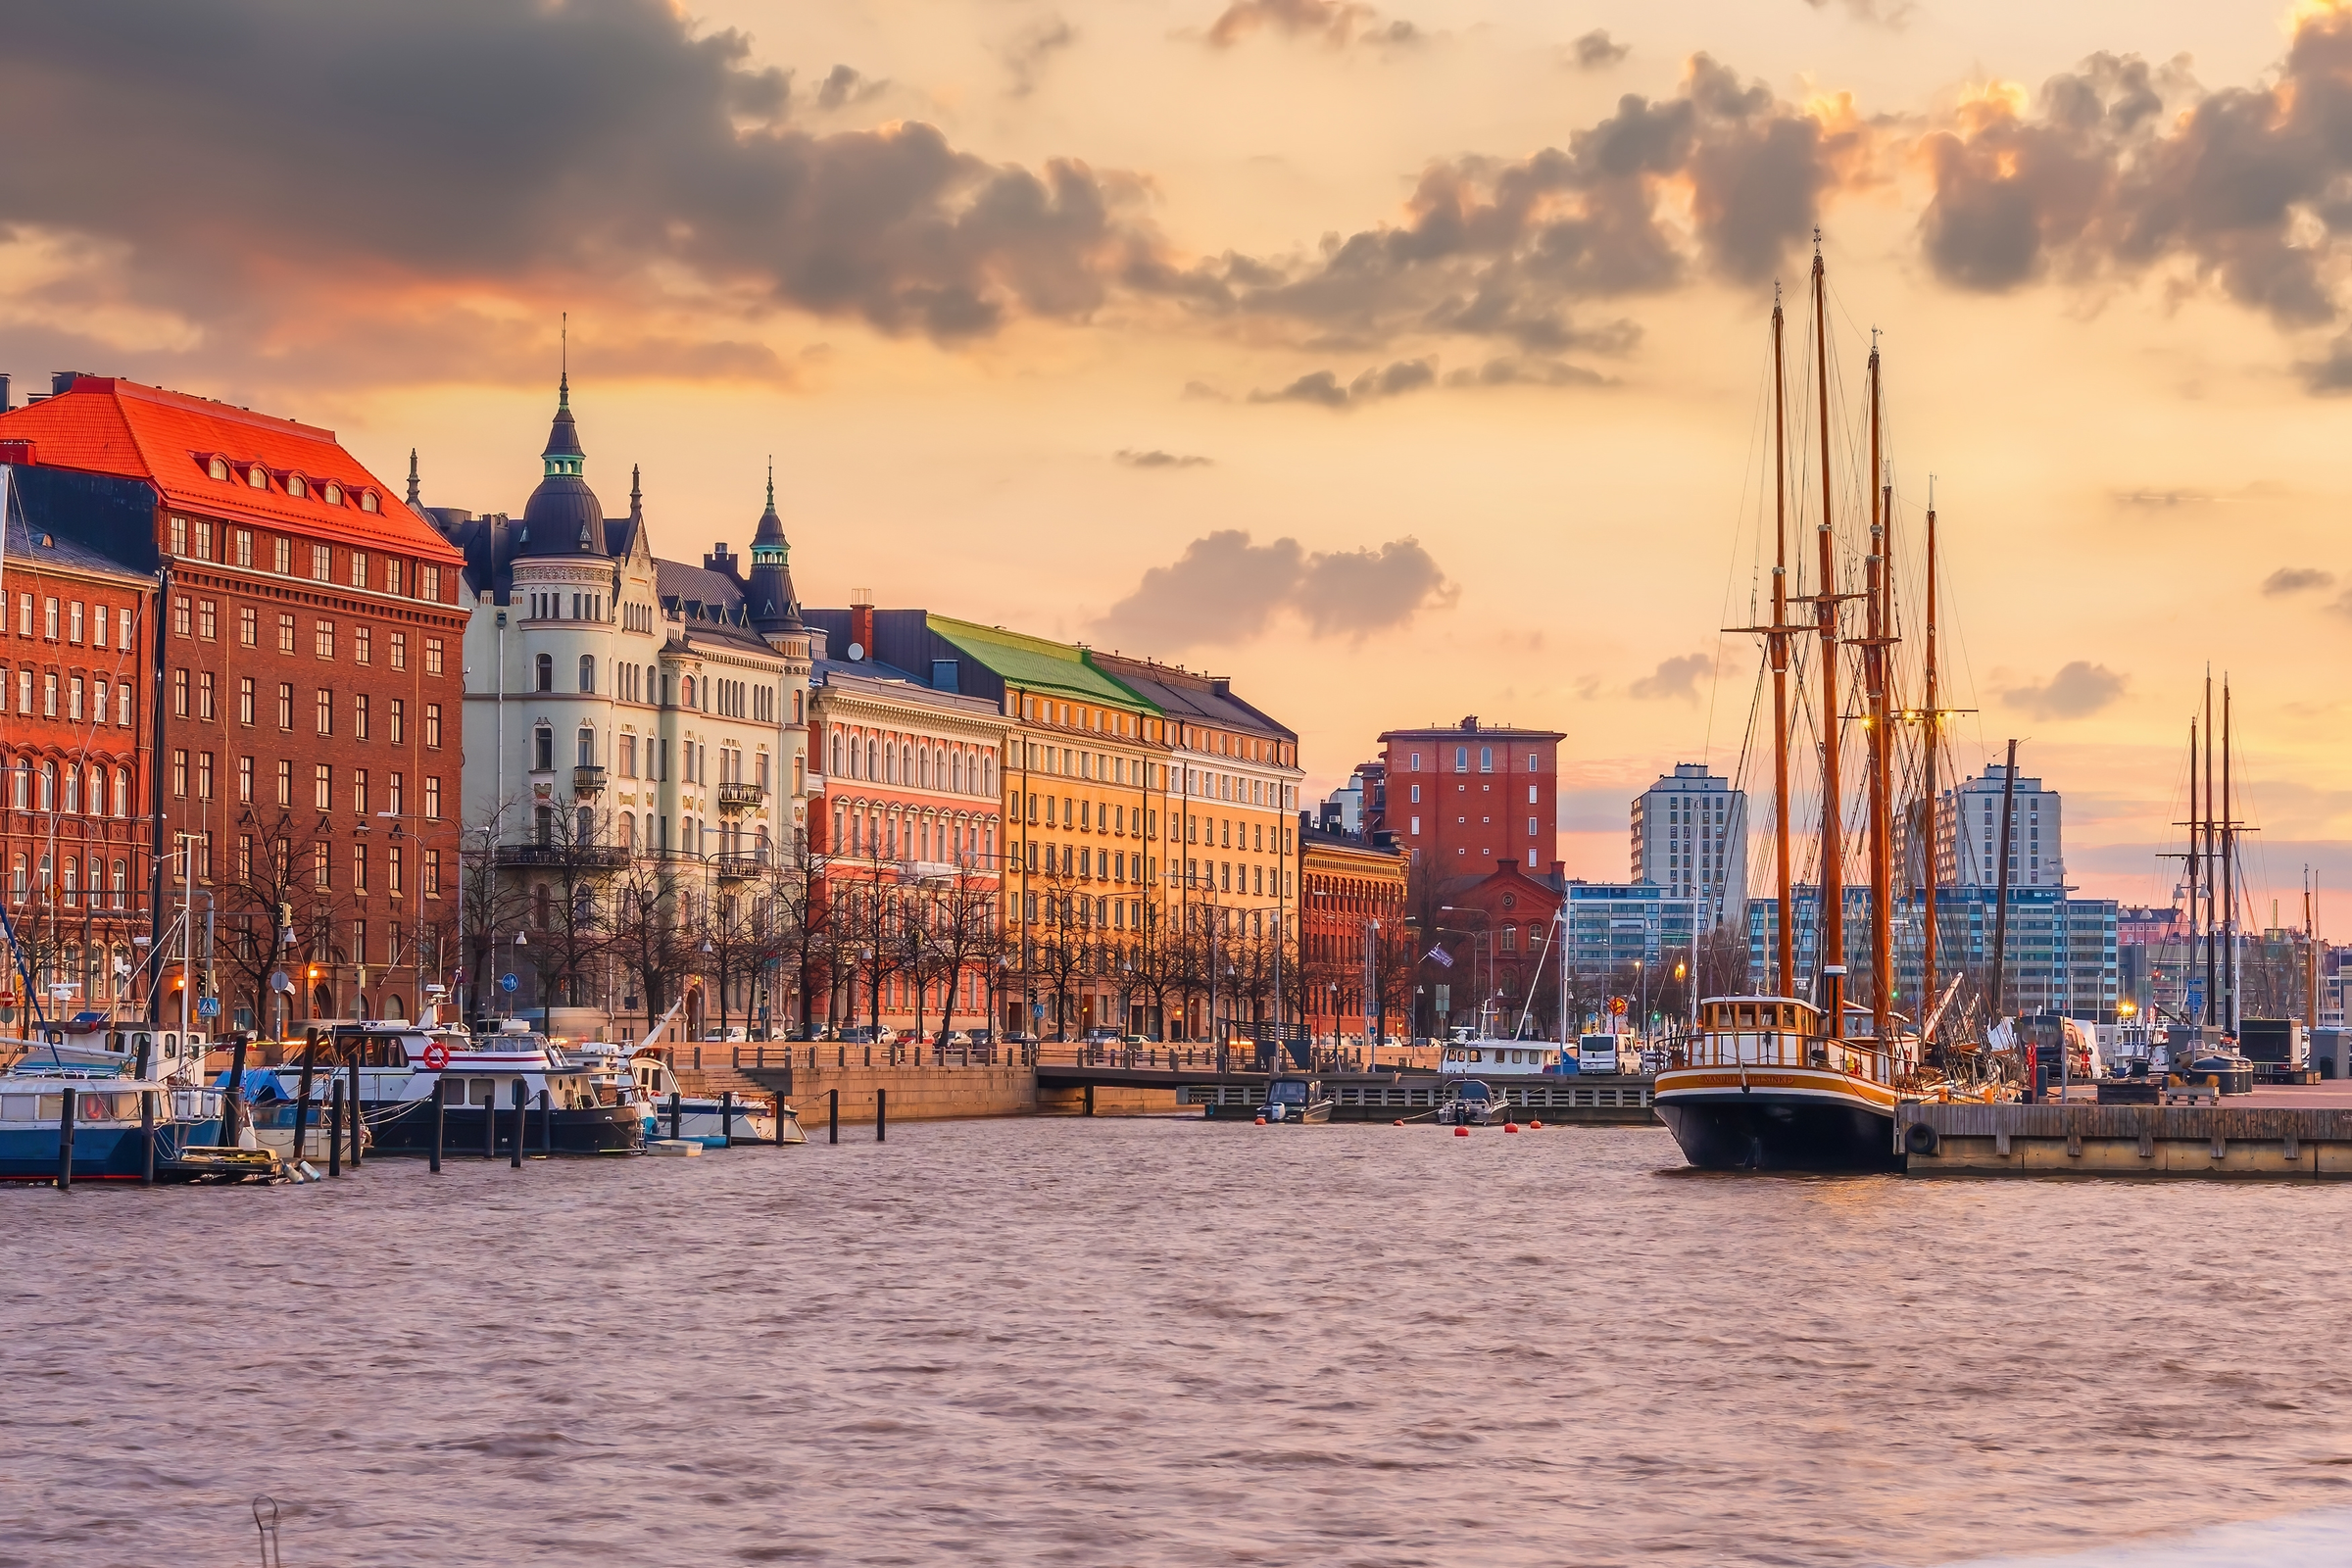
point(110, 1142)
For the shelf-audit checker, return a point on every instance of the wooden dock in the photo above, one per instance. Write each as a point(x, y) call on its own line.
point(2126, 1140)
point(1595, 1100)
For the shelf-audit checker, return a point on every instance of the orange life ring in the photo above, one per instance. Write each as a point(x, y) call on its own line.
point(436, 1057)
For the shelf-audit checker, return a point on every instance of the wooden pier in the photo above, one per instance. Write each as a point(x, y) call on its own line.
point(2088, 1140)
point(1595, 1100)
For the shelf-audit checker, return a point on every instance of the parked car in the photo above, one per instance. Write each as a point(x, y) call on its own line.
point(865, 1034)
point(982, 1037)
point(1101, 1035)
point(732, 1035)
point(954, 1039)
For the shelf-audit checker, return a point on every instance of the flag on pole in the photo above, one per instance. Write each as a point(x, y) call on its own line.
point(1440, 957)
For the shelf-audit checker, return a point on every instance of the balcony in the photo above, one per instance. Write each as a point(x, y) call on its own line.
point(740, 867)
point(602, 856)
point(737, 797)
point(588, 780)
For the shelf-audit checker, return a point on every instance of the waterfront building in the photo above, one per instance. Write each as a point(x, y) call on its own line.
point(75, 816)
point(1349, 807)
point(1968, 821)
point(1690, 837)
point(1629, 931)
point(1466, 798)
point(1352, 943)
point(637, 730)
point(307, 743)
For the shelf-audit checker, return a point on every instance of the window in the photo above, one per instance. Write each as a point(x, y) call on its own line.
point(179, 778)
point(323, 563)
point(207, 620)
point(362, 645)
point(281, 556)
point(204, 693)
point(359, 868)
point(392, 794)
point(627, 760)
point(333, 495)
point(392, 576)
point(367, 500)
point(1461, 758)
point(204, 775)
point(432, 797)
point(219, 469)
point(326, 712)
point(241, 544)
point(321, 867)
point(1485, 758)
point(543, 673)
point(97, 625)
point(179, 616)
point(74, 623)
point(204, 540)
point(121, 702)
point(249, 627)
point(359, 716)
point(179, 536)
point(399, 650)
point(73, 699)
point(179, 694)
point(586, 747)
point(121, 809)
point(432, 726)
point(285, 634)
point(399, 720)
point(285, 706)
point(322, 639)
point(392, 870)
point(432, 656)
point(428, 582)
point(285, 782)
point(359, 792)
point(323, 787)
point(432, 873)
point(258, 477)
point(588, 672)
point(245, 780)
point(543, 749)
point(359, 569)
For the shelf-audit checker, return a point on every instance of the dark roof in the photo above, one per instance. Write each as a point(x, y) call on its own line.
point(562, 517)
point(1183, 695)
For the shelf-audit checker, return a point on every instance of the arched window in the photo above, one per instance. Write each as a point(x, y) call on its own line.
point(48, 791)
point(836, 768)
point(295, 487)
point(258, 477)
point(220, 468)
point(15, 880)
point(955, 770)
point(119, 883)
point(989, 774)
point(628, 830)
point(23, 786)
point(121, 792)
point(873, 759)
point(544, 671)
point(367, 500)
point(890, 764)
point(72, 789)
point(543, 749)
point(587, 745)
point(72, 887)
point(333, 494)
point(796, 707)
point(686, 691)
point(584, 828)
point(588, 672)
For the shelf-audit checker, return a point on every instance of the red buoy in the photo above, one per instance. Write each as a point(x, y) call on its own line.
point(1262, 1122)
point(1462, 1132)
point(1510, 1126)
point(1536, 1125)
point(1399, 1123)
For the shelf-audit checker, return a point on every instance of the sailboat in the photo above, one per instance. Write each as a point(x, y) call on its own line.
point(1789, 1083)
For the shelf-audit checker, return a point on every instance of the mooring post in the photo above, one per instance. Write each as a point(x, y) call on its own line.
point(546, 1122)
point(440, 1099)
point(351, 1100)
point(778, 1096)
point(881, 1114)
point(146, 1118)
point(232, 1120)
point(832, 1115)
point(726, 1119)
point(514, 1158)
point(64, 1137)
point(674, 1117)
point(1089, 1100)
point(489, 1118)
point(302, 1098)
point(334, 1127)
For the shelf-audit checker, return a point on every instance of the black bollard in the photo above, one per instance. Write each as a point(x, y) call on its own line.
point(334, 1127)
point(676, 1118)
point(726, 1119)
point(779, 1100)
point(514, 1159)
point(64, 1137)
point(146, 1118)
point(832, 1115)
point(439, 1098)
point(232, 1108)
point(546, 1122)
point(358, 1122)
point(881, 1114)
point(1089, 1100)
point(302, 1101)
point(489, 1118)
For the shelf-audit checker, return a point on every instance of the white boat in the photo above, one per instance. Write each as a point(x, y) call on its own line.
point(704, 1118)
point(1472, 1053)
point(167, 1055)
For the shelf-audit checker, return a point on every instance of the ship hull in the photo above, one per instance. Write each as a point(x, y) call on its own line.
point(1766, 1119)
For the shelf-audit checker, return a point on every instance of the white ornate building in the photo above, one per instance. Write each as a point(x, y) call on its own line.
point(644, 710)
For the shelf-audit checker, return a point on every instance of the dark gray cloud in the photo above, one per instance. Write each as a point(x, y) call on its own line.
point(1226, 589)
point(1884, 13)
point(2295, 579)
point(1598, 51)
point(845, 86)
point(1332, 23)
point(2122, 167)
point(1526, 370)
point(1130, 458)
point(1676, 677)
point(273, 157)
point(1026, 57)
point(2078, 690)
point(1325, 389)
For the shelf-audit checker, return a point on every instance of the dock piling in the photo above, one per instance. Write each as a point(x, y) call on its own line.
point(490, 1119)
point(832, 1115)
point(674, 1113)
point(302, 1097)
point(546, 1122)
point(778, 1097)
point(232, 1108)
point(514, 1159)
point(440, 1099)
point(881, 1114)
point(726, 1119)
point(352, 1101)
point(65, 1138)
point(146, 1118)
point(334, 1128)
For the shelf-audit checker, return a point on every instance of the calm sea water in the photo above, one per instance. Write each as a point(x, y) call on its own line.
point(1170, 1343)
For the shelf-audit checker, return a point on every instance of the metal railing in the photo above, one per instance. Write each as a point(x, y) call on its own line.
point(735, 797)
point(601, 855)
point(587, 780)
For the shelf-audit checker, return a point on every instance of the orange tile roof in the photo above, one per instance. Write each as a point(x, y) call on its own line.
point(104, 425)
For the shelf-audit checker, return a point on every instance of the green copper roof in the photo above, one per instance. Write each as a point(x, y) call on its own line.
point(1032, 663)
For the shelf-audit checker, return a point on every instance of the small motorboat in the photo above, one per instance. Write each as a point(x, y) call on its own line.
point(1472, 1105)
point(113, 1117)
point(704, 1119)
point(1292, 1100)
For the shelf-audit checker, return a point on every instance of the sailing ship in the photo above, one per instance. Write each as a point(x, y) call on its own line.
point(1792, 1083)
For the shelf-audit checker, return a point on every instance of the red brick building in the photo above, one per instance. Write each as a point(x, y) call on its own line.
point(308, 737)
point(75, 823)
point(1468, 797)
point(1351, 906)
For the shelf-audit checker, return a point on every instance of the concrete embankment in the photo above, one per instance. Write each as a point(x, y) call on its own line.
point(2126, 1140)
point(917, 1094)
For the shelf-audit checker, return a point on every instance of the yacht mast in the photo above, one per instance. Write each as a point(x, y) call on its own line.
point(1832, 961)
point(2228, 846)
point(1876, 583)
point(1929, 826)
point(2196, 1014)
point(2212, 924)
point(1778, 643)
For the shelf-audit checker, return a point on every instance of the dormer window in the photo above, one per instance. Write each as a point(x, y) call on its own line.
point(295, 487)
point(333, 495)
point(367, 500)
point(258, 477)
point(220, 468)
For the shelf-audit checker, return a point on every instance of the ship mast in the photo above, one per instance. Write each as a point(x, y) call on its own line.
point(2213, 990)
point(2193, 861)
point(2228, 925)
point(1875, 584)
point(1927, 788)
point(1778, 642)
point(1831, 962)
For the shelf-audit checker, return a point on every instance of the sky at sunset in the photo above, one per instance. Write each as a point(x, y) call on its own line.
point(1401, 361)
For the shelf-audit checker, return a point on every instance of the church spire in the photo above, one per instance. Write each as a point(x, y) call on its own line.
point(416, 502)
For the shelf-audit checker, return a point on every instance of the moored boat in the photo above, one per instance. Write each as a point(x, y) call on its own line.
point(1760, 1085)
point(112, 1118)
point(1293, 1099)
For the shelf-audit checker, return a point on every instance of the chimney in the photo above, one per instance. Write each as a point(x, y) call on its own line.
point(861, 623)
point(720, 560)
point(3, 394)
point(62, 381)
